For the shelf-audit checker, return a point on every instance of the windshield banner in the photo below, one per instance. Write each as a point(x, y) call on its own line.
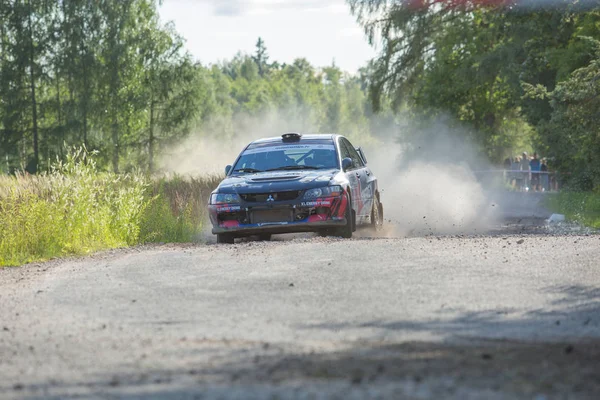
point(301, 148)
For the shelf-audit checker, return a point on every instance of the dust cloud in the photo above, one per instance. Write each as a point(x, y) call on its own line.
point(427, 181)
point(429, 198)
point(219, 142)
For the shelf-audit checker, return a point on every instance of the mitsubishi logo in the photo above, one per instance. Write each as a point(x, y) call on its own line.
point(270, 198)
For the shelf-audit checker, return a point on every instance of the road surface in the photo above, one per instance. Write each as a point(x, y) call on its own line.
point(514, 313)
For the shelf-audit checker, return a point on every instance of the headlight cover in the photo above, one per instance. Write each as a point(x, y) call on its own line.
point(224, 198)
point(326, 191)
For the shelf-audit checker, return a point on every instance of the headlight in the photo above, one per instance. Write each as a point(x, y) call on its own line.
point(224, 198)
point(326, 191)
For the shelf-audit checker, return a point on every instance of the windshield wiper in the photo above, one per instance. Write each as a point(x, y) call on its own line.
point(247, 170)
point(290, 167)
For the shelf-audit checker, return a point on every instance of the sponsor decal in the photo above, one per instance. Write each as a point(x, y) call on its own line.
point(228, 208)
point(318, 203)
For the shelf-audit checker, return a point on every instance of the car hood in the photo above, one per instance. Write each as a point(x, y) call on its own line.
point(275, 181)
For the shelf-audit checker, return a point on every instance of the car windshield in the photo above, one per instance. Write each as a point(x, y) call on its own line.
point(315, 154)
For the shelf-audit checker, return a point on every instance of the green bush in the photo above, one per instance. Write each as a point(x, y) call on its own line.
point(76, 209)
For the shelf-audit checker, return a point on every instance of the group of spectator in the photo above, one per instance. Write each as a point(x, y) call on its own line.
point(528, 173)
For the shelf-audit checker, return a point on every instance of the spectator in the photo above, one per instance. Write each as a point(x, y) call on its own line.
point(507, 173)
point(517, 176)
point(535, 166)
point(525, 169)
point(545, 178)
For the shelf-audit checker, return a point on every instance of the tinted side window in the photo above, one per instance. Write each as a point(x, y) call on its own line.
point(345, 153)
point(353, 154)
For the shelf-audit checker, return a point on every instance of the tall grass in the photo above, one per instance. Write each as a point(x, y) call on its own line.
point(76, 209)
point(177, 209)
point(582, 207)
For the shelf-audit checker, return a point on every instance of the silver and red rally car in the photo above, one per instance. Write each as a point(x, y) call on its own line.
point(296, 183)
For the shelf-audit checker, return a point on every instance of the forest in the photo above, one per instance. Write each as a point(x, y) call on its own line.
point(110, 75)
point(113, 77)
point(508, 70)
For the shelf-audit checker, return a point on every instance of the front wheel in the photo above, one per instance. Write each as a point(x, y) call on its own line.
point(346, 230)
point(225, 238)
point(377, 215)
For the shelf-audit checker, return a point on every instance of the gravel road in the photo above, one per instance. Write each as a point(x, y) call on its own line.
point(514, 313)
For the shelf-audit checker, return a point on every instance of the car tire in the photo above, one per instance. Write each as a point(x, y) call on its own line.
point(377, 215)
point(264, 237)
point(346, 230)
point(225, 238)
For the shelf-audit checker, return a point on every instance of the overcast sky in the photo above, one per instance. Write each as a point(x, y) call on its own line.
point(319, 30)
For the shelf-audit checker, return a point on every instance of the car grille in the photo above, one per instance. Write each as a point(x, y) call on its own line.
point(265, 216)
point(277, 196)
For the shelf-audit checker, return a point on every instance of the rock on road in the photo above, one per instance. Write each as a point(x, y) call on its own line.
point(490, 316)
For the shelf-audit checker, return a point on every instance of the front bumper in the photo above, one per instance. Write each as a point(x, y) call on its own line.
point(278, 217)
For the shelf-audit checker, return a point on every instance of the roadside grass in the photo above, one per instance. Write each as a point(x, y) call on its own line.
point(581, 207)
point(77, 209)
point(176, 211)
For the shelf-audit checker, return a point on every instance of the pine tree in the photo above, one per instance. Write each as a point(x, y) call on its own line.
point(261, 58)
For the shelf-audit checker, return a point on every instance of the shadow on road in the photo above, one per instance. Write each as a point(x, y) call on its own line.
point(491, 354)
point(415, 369)
point(575, 314)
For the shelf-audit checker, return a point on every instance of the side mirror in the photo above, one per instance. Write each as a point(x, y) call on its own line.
point(347, 163)
point(227, 169)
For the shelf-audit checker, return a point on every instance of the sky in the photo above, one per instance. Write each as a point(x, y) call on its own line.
point(319, 30)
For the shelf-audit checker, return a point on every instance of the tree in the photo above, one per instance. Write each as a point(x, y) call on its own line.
point(571, 137)
point(23, 35)
point(261, 58)
point(470, 60)
point(108, 74)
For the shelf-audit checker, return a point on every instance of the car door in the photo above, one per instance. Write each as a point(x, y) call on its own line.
point(371, 180)
point(351, 175)
point(362, 195)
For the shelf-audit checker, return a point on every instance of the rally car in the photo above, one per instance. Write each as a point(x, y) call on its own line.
point(296, 183)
